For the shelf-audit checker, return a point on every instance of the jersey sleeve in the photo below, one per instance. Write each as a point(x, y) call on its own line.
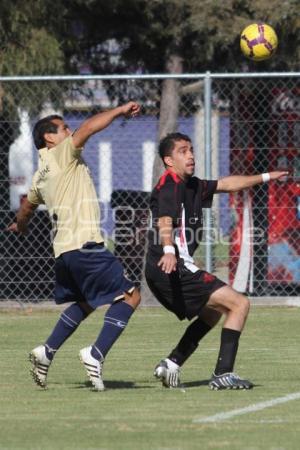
point(33, 195)
point(65, 152)
point(168, 200)
point(207, 192)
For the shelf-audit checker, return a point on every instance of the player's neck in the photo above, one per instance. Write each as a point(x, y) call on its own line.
point(183, 177)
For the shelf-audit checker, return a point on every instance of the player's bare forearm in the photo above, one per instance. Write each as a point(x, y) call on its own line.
point(24, 215)
point(236, 183)
point(165, 226)
point(100, 121)
point(168, 261)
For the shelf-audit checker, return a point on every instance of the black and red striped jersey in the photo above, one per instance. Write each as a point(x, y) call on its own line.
point(183, 202)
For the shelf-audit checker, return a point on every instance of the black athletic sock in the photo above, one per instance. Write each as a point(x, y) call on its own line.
point(189, 341)
point(228, 350)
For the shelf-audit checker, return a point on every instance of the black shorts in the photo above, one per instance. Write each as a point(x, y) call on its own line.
point(182, 292)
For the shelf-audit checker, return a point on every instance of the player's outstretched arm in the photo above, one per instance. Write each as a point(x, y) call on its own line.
point(236, 183)
point(100, 121)
point(23, 217)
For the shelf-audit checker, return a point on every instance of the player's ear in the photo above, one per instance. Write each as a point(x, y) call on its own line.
point(49, 138)
point(168, 161)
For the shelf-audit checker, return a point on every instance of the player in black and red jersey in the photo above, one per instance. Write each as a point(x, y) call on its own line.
point(172, 275)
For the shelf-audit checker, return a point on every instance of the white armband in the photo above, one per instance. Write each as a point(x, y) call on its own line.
point(169, 249)
point(265, 177)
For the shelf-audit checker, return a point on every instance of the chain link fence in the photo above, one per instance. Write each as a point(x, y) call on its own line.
point(252, 126)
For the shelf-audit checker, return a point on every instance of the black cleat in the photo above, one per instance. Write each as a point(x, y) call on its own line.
point(228, 380)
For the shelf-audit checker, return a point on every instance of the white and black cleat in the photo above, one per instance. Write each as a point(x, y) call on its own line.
point(168, 373)
point(93, 368)
point(229, 380)
point(40, 365)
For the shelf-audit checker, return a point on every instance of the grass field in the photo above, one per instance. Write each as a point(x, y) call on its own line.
point(135, 412)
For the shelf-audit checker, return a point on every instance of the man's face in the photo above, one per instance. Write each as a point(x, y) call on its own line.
point(182, 160)
point(63, 131)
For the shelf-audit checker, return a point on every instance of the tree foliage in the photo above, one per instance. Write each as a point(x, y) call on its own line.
point(205, 34)
point(31, 36)
point(29, 41)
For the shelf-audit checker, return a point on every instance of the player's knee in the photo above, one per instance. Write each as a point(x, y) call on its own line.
point(243, 305)
point(137, 298)
point(134, 298)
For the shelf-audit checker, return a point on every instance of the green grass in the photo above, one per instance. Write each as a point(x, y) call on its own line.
point(135, 412)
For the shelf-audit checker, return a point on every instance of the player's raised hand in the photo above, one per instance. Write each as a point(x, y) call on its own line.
point(13, 227)
point(168, 263)
point(131, 109)
point(276, 175)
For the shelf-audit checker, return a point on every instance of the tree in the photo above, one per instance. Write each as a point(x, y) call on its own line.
point(30, 34)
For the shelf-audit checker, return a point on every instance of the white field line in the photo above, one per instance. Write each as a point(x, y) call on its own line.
point(249, 409)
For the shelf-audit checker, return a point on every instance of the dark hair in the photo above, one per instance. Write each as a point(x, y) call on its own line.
point(43, 126)
point(167, 144)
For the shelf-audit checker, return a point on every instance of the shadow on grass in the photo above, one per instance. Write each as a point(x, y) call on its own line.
point(112, 384)
point(191, 384)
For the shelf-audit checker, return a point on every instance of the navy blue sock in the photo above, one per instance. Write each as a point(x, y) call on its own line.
point(66, 325)
point(115, 321)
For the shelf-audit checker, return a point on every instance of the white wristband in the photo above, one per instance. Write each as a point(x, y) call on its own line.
point(169, 249)
point(265, 177)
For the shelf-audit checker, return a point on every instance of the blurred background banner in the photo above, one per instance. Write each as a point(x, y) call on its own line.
point(239, 124)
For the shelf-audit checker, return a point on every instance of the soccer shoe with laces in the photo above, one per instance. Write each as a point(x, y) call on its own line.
point(40, 364)
point(93, 368)
point(228, 380)
point(168, 373)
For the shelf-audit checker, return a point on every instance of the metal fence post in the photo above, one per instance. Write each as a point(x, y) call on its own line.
point(207, 144)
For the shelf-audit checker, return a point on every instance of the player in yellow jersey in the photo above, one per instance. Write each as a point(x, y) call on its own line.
point(87, 274)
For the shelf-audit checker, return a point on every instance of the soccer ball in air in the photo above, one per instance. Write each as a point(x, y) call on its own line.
point(258, 41)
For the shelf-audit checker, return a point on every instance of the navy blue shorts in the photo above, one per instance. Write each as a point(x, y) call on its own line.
point(91, 274)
